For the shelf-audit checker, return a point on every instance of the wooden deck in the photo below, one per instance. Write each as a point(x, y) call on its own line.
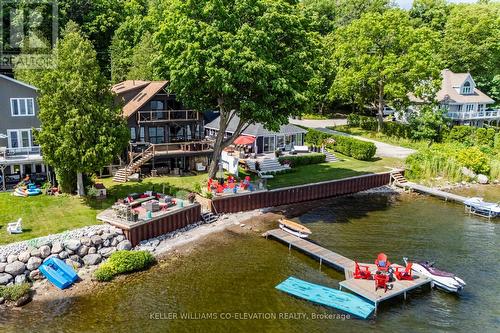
point(363, 288)
point(431, 191)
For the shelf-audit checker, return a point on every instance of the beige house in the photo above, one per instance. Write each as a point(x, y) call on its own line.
point(466, 105)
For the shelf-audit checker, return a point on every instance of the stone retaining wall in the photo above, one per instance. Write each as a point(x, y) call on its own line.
point(88, 246)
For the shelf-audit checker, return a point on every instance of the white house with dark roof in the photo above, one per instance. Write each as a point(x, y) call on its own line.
point(259, 138)
point(465, 103)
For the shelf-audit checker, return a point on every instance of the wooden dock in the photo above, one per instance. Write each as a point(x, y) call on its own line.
point(363, 288)
point(432, 191)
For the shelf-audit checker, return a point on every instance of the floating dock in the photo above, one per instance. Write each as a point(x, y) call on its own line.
point(363, 288)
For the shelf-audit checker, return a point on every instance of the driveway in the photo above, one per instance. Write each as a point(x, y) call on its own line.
point(383, 149)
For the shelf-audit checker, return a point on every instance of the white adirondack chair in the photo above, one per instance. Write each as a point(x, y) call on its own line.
point(15, 227)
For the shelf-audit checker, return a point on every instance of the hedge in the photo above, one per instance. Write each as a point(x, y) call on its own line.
point(472, 136)
point(296, 160)
point(14, 292)
point(392, 128)
point(349, 146)
point(122, 262)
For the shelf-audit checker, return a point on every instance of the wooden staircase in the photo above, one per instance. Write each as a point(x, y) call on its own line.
point(329, 157)
point(121, 176)
point(398, 177)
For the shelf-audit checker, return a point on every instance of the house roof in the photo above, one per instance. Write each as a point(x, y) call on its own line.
point(450, 90)
point(17, 82)
point(256, 129)
point(149, 89)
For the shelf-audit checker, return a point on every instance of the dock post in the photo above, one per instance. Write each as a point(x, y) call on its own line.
point(320, 262)
point(375, 311)
point(404, 295)
point(289, 247)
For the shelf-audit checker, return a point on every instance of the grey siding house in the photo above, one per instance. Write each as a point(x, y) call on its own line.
point(19, 154)
point(260, 140)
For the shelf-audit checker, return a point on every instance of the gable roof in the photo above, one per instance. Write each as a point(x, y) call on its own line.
point(450, 90)
point(256, 129)
point(17, 82)
point(149, 89)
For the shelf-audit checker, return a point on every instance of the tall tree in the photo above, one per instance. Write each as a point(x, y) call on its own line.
point(381, 58)
point(143, 55)
point(245, 57)
point(82, 131)
point(430, 13)
point(472, 44)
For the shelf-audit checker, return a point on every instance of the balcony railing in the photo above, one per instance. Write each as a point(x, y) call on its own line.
point(174, 148)
point(167, 115)
point(474, 115)
point(19, 153)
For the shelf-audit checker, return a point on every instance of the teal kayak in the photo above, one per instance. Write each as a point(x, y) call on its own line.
point(327, 296)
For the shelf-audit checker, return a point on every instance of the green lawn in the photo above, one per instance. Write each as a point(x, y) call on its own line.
point(381, 137)
point(43, 215)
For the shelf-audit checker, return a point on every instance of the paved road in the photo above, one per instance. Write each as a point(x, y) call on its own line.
point(383, 149)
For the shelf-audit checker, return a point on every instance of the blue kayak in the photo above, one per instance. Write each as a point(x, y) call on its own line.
point(58, 272)
point(327, 296)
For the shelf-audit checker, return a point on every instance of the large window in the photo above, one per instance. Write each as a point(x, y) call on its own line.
point(280, 141)
point(133, 134)
point(467, 88)
point(20, 138)
point(269, 144)
point(156, 135)
point(21, 107)
point(480, 107)
point(469, 107)
point(158, 106)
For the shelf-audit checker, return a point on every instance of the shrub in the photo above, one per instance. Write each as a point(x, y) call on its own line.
point(297, 160)
point(346, 145)
point(122, 262)
point(474, 159)
point(436, 161)
point(353, 120)
point(368, 123)
point(398, 130)
point(362, 150)
point(14, 292)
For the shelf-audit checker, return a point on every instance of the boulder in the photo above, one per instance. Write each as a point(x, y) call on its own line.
point(108, 235)
point(36, 275)
point(24, 256)
point(44, 251)
point(106, 243)
point(56, 247)
point(15, 268)
point(20, 279)
point(120, 238)
point(100, 232)
point(114, 242)
point(75, 257)
point(23, 300)
point(73, 244)
point(73, 263)
point(35, 253)
point(124, 245)
point(96, 240)
point(83, 250)
point(33, 263)
point(86, 241)
point(3, 258)
point(467, 172)
point(119, 231)
point(107, 251)
point(63, 255)
point(2, 266)
point(5, 278)
point(11, 258)
point(92, 250)
point(92, 259)
point(482, 179)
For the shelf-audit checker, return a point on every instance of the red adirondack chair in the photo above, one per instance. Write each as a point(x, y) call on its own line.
point(404, 275)
point(382, 262)
point(362, 274)
point(381, 280)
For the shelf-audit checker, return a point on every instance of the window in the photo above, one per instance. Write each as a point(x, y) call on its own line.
point(141, 134)
point(20, 138)
point(158, 106)
point(280, 141)
point(480, 107)
point(469, 107)
point(20, 107)
point(269, 144)
point(466, 89)
point(156, 135)
point(13, 140)
point(133, 134)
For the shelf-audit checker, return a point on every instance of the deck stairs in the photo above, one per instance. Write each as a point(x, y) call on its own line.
point(209, 217)
point(121, 176)
point(398, 178)
point(330, 158)
point(269, 165)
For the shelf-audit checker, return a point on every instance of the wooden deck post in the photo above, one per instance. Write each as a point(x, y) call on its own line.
point(320, 262)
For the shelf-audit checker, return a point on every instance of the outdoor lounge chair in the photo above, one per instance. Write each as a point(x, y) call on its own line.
point(382, 262)
point(362, 271)
point(200, 167)
point(404, 275)
point(15, 227)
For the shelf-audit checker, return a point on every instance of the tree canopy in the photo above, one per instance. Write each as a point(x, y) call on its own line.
point(381, 58)
point(82, 131)
point(249, 58)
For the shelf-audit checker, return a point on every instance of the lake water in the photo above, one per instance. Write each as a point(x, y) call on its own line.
point(227, 283)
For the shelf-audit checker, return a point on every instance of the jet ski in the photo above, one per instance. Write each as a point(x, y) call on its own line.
point(444, 280)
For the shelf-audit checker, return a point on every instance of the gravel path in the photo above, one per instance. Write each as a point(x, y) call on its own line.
point(383, 149)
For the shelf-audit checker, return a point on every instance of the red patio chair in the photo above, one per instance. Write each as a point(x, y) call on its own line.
point(382, 262)
point(381, 280)
point(404, 275)
point(362, 274)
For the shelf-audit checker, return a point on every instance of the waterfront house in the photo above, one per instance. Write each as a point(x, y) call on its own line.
point(165, 137)
point(464, 102)
point(260, 140)
point(19, 153)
